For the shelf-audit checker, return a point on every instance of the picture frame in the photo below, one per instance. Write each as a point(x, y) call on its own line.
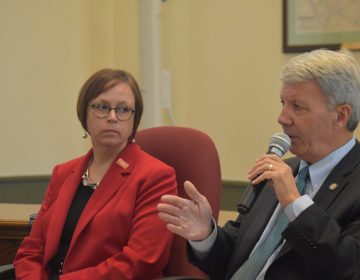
point(309, 25)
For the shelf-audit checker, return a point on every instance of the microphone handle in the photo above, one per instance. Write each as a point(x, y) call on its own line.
point(251, 192)
point(249, 197)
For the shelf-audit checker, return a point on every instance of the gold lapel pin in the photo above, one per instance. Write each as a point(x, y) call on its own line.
point(122, 163)
point(333, 186)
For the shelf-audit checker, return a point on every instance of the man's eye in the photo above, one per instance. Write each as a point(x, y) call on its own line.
point(297, 107)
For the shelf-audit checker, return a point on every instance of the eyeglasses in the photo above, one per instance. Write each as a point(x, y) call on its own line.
point(102, 110)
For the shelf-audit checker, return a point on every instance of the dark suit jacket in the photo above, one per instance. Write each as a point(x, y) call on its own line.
point(323, 242)
point(119, 234)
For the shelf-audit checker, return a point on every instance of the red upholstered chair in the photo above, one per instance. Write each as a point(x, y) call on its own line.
point(194, 157)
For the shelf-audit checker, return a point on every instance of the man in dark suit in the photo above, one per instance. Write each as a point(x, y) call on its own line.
point(321, 236)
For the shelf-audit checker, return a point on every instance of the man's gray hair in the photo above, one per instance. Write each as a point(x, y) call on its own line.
point(336, 72)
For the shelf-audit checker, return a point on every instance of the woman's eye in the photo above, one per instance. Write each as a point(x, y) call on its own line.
point(103, 107)
point(123, 109)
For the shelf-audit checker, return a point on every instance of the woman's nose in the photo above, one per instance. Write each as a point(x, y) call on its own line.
point(112, 114)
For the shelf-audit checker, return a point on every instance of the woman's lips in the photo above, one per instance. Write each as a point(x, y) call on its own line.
point(110, 131)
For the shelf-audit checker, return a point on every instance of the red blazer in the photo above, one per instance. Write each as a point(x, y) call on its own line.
point(119, 234)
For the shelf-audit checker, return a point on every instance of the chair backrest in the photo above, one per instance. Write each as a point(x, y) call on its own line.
point(194, 157)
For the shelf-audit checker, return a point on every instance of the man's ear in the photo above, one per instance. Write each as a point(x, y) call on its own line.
point(343, 113)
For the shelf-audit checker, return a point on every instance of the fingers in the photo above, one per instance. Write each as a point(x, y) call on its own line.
point(185, 221)
point(175, 225)
point(180, 202)
point(260, 169)
point(264, 168)
point(172, 216)
point(270, 167)
point(189, 218)
point(169, 219)
point(171, 208)
point(174, 200)
point(192, 192)
point(167, 208)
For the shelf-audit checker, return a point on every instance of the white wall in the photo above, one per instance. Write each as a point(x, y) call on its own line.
point(48, 50)
point(225, 57)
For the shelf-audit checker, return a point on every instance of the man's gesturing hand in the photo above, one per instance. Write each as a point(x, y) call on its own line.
point(190, 219)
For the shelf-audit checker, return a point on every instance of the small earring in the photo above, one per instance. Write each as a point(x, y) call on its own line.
point(133, 140)
point(84, 135)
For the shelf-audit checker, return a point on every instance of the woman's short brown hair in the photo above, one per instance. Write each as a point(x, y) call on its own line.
point(100, 82)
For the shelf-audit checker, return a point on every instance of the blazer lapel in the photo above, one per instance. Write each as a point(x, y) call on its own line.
point(61, 206)
point(109, 185)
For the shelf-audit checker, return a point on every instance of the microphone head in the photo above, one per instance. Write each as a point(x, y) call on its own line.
point(279, 144)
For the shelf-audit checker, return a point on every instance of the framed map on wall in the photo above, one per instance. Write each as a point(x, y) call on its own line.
point(311, 24)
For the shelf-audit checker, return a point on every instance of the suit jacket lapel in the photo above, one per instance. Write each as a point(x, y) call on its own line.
point(339, 175)
point(252, 226)
point(254, 223)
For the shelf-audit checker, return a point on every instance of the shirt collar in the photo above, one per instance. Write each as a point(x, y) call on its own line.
point(319, 170)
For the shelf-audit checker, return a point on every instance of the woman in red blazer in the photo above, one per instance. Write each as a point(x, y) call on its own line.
point(99, 219)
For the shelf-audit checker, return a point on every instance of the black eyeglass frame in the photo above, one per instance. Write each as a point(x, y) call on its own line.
point(97, 106)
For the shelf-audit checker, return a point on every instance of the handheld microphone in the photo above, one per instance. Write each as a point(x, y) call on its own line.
point(279, 145)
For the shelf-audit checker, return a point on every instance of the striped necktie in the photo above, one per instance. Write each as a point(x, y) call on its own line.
point(255, 263)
